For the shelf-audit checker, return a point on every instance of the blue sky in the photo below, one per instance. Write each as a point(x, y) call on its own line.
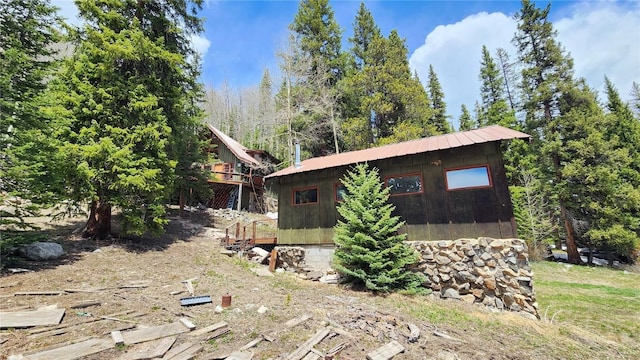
point(242, 38)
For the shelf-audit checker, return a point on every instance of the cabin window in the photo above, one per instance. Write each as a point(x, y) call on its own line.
point(404, 184)
point(468, 178)
point(308, 195)
point(339, 191)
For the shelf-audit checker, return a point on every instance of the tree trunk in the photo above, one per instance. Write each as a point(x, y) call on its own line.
point(99, 223)
point(572, 249)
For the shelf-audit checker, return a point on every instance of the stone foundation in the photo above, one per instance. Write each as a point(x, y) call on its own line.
point(492, 272)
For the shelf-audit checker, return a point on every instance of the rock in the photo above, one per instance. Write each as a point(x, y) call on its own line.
point(499, 303)
point(497, 244)
point(442, 260)
point(330, 279)
point(314, 275)
point(490, 283)
point(468, 298)
point(218, 309)
point(263, 309)
point(478, 293)
point(451, 293)
point(39, 251)
point(479, 263)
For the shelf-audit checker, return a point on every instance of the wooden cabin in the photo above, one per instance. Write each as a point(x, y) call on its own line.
point(238, 175)
point(444, 187)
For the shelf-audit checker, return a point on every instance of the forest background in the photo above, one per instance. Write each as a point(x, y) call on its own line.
point(116, 123)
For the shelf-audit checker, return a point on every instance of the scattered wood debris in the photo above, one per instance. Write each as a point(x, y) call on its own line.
point(302, 351)
point(210, 328)
point(22, 319)
point(44, 292)
point(153, 333)
point(86, 304)
point(240, 355)
point(386, 352)
point(149, 350)
point(73, 351)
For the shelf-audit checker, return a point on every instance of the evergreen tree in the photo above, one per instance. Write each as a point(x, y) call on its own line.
point(439, 117)
point(465, 122)
point(547, 74)
point(369, 250)
point(320, 37)
point(365, 31)
point(27, 174)
point(507, 69)
point(492, 93)
point(132, 92)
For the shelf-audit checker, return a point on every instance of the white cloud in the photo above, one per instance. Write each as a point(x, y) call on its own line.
point(200, 44)
point(603, 38)
point(455, 51)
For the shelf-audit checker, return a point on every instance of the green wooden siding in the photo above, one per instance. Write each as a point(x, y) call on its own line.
point(435, 214)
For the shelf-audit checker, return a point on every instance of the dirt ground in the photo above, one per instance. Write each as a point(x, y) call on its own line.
point(137, 283)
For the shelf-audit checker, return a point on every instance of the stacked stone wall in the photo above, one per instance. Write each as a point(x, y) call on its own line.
point(492, 272)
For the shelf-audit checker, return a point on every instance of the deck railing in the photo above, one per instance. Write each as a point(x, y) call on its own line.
point(257, 232)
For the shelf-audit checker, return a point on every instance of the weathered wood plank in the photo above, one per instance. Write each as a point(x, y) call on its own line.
point(301, 351)
point(386, 352)
point(209, 328)
point(45, 292)
point(187, 323)
point(251, 343)
point(149, 350)
point(40, 317)
point(73, 351)
point(177, 350)
point(188, 354)
point(117, 338)
point(297, 320)
point(54, 328)
point(85, 304)
point(153, 333)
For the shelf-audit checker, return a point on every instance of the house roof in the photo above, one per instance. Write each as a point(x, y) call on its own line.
point(236, 148)
point(433, 143)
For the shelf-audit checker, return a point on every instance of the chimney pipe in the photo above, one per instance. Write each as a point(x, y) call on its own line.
point(297, 154)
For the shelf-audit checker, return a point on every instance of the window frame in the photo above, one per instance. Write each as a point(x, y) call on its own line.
point(335, 191)
point(403, 175)
point(486, 166)
point(296, 189)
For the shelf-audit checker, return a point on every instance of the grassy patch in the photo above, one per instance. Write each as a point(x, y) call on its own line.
point(603, 301)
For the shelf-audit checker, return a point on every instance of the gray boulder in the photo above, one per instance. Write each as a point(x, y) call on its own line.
point(39, 251)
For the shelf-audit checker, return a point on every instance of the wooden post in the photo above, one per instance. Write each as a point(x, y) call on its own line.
point(273, 260)
point(240, 195)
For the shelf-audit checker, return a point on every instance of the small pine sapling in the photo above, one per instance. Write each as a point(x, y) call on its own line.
point(370, 251)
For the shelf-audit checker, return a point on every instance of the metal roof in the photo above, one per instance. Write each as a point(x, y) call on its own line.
point(236, 148)
point(434, 143)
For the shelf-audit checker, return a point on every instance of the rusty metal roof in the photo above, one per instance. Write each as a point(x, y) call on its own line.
point(433, 143)
point(236, 148)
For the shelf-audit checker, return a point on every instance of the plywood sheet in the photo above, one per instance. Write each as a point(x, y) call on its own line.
point(22, 319)
point(73, 351)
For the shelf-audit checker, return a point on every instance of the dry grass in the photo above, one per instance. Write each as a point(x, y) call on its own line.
point(608, 333)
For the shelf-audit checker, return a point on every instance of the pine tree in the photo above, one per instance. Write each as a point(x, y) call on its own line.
point(547, 75)
point(131, 88)
point(439, 117)
point(492, 92)
point(27, 174)
point(369, 250)
point(465, 121)
point(365, 31)
point(320, 37)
